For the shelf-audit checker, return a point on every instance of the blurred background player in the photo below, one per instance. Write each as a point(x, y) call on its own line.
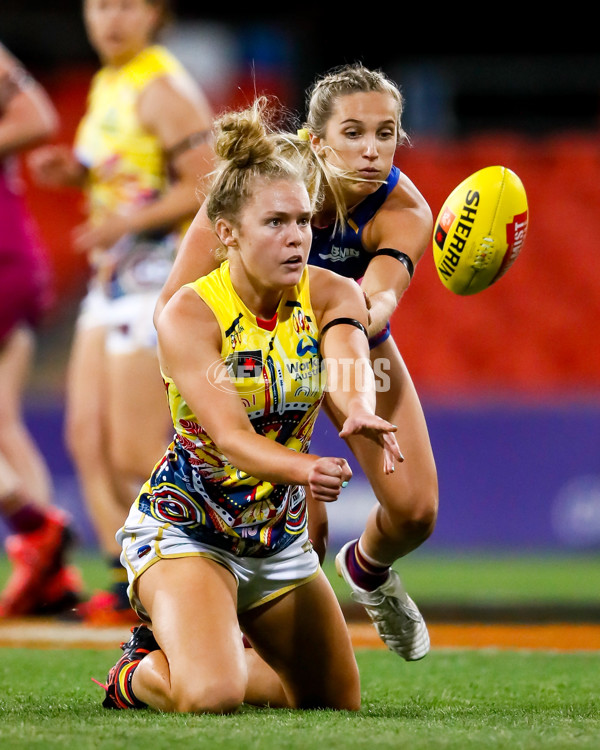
point(354, 128)
point(219, 531)
point(39, 533)
point(139, 154)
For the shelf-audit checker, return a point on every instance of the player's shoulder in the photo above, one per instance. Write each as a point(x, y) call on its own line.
point(405, 220)
point(328, 279)
point(174, 94)
point(186, 321)
point(186, 305)
point(406, 196)
point(327, 286)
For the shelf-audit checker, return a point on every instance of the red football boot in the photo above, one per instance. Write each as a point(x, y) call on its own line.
point(104, 609)
point(36, 558)
point(61, 593)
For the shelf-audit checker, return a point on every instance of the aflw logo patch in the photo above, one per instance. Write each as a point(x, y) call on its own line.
point(245, 364)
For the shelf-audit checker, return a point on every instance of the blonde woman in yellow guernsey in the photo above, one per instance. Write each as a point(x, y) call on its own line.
point(139, 153)
point(217, 538)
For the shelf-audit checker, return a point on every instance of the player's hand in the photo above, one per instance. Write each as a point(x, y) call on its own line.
point(379, 431)
point(88, 237)
point(55, 166)
point(326, 478)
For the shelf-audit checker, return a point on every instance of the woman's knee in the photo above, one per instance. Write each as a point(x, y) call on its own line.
point(221, 695)
point(414, 512)
point(159, 684)
point(420, 523)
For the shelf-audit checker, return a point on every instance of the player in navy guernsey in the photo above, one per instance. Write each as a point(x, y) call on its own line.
point(373, 225)
point(340, 248)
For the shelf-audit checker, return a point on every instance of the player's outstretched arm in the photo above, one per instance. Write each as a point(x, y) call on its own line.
point(342, 316)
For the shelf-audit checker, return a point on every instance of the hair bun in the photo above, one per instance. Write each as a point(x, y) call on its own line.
point(242, 138)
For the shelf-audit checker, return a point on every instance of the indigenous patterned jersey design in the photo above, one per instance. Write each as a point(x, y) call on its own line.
point(126, 167)
point(277, 371)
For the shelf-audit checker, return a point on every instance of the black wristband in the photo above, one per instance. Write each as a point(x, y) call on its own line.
point(344, 321)
point(399, 255)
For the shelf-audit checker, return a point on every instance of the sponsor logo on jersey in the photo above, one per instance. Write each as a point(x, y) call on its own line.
point(340, 254)
point(307, 345)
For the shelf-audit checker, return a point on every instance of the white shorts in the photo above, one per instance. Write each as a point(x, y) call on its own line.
point(128, 319)
point(144, 541)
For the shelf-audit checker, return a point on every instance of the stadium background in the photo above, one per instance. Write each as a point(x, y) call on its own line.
point(510, 379)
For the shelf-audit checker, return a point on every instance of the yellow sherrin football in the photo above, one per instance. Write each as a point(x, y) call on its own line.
point(480, 230)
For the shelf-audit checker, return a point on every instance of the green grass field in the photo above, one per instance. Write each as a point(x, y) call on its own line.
point(453, 699)
point(463, 700)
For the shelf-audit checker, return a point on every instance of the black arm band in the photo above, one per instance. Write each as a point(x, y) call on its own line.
point(188, 143)
point(344, 321)
point(399, 255)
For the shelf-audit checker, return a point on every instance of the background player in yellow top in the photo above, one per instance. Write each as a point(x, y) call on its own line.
point(219, 531)
point(139, 153)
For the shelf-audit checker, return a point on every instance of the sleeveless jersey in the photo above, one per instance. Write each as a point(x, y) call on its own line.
point(341, 250)
point(127, 168)
point(276, 369)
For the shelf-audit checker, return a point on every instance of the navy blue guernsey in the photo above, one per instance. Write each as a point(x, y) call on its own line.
point(341, 250)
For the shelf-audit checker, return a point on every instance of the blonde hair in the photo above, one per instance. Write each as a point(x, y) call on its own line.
point(248, 148)
point(320, 102)
point(344, 80)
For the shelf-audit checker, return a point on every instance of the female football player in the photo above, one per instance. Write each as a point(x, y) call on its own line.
point(138, 155)
point(217, 537)
point(354, 128)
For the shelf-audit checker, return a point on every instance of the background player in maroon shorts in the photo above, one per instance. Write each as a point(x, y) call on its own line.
point(40, 580)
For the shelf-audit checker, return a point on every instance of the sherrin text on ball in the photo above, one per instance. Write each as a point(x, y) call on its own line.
point(480, 230)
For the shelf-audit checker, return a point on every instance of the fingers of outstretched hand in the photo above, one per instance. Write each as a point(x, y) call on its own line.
point(381, 432)
point(367, 425)
point(391, 453)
